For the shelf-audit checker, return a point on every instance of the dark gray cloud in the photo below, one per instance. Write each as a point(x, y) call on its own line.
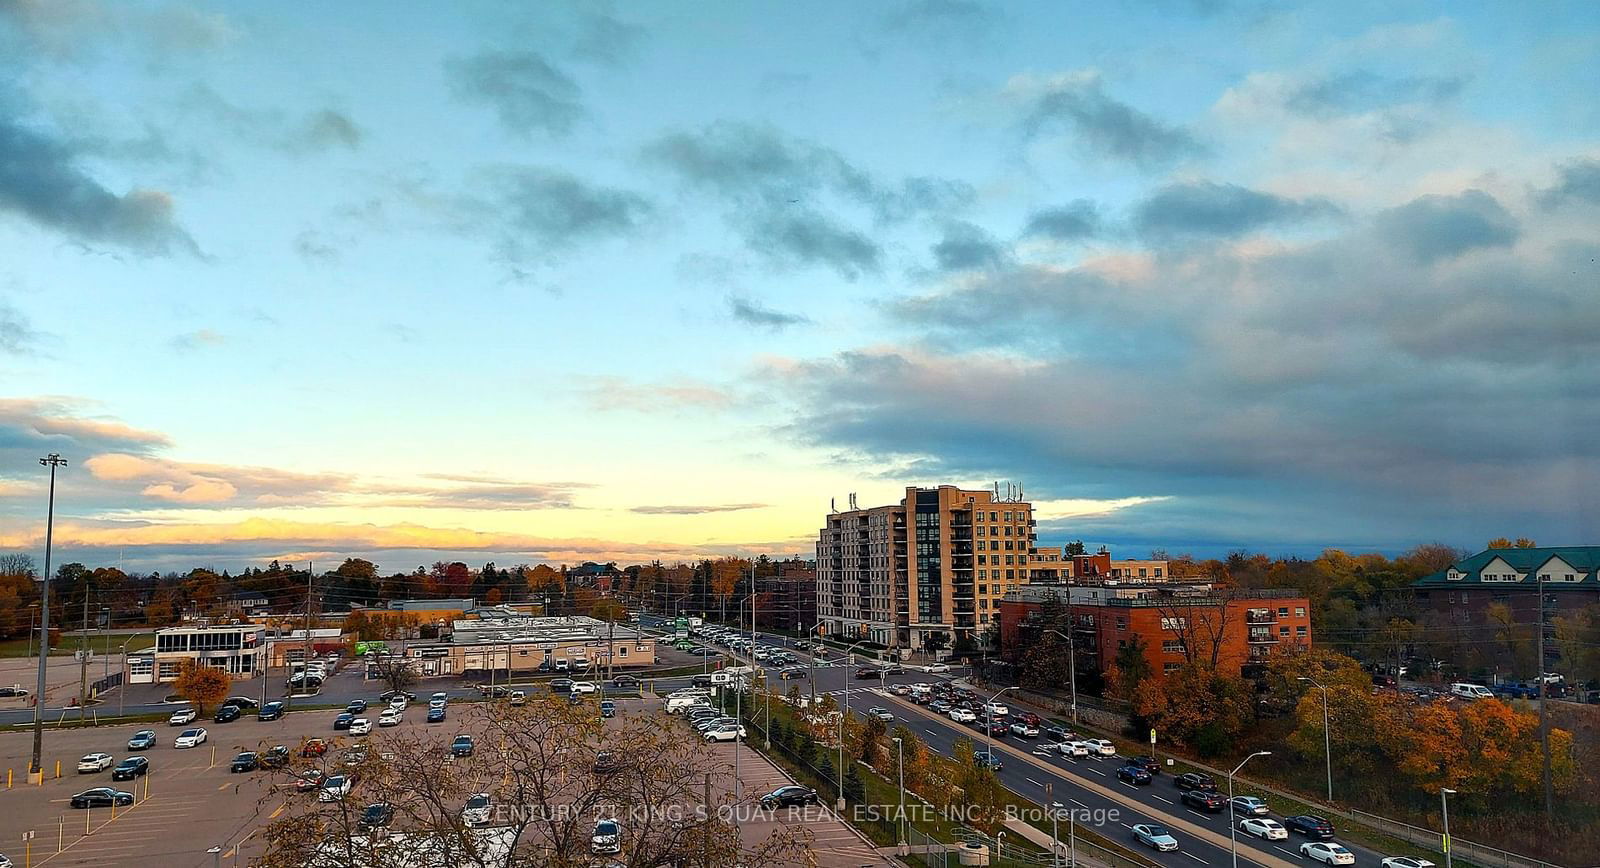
point(1105, 126)
point(966, 247)
point(1362, 90)
point(1577, 181)
point(17, 335)
point(554, 210)
point(754, 313)
point(42, 181)
point(327, 128)
point(1212, 210)
point(606, 39)
point(1075, 221)
point(1294, 383)
point(526, 91)
point(1439, 227)
point(316, 131)
point(779, 192)
point(691, 509)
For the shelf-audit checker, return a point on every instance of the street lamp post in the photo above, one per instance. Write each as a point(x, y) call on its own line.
point(839, 804)
point(1327, 742)
point(1072, 667)
point(988, 721)
point(1233, 839)
point(900, 764)
point(35, 769)
point(122, 689)
point(1444, 808)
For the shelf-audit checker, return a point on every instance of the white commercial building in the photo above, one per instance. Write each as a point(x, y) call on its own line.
point(237, 649)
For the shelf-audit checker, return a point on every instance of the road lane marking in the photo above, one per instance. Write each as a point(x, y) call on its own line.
point(1034, 782)
point(1162, 798)
point(1098, 772)
point(1194, 857)
point(1281, 850)
point(1078, 803)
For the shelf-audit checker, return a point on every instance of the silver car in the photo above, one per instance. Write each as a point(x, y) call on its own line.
point(1155, 836)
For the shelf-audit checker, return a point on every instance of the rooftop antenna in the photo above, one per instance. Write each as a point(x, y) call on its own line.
point(1019, 492)
point(833, 506)
point(997, 489)
point(853, 506)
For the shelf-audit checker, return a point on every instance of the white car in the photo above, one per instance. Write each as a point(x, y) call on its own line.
point(335, 788)
point(995, 709)
point(391, 717)
point(477, 810)
point(1100, 746)
point(1073, 748)
point(95, 762)
point(936, 667)
point(726, 732)
point(584, 687)
point(607, 837)
point(1024, 729)
point(397, 702)
point(1155, 836)
point(963, 715)
point(1261, 827)
point(1406, 862)
point(190, 738)
point(181, 717)
point(436, 703)
point(360, 726)
point(1328, 853)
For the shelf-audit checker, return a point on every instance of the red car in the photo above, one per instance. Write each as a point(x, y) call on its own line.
point(314, 747)
point(1030, 718)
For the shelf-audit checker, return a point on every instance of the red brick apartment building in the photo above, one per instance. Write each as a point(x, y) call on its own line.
point(1177, 622)
point(789, 599)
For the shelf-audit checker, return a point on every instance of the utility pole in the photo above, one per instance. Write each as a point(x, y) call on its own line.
point(83, 655)
point(1544, 724)
point(36, 770)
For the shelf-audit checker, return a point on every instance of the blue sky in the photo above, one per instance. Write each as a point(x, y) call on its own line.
point(559, 282)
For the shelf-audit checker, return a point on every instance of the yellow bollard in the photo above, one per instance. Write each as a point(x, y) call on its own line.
point(213, 757)
point(8, 779)
point(58, 770)
point(87, 813)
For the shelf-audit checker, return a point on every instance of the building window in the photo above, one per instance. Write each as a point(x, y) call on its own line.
point(1300, 630)
point(1158, 572)
point(1172, 646)
point(1299, 611)
point(1173, 624)
point(1122, 622)
point(1283, 631)
point(1283, 612)
point(622, 651)
point(1170, 667)
point(1011, 574)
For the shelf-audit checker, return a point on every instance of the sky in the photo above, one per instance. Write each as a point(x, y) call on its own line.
point(565, 282)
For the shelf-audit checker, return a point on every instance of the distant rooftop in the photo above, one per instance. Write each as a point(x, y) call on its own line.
point(1561, 566)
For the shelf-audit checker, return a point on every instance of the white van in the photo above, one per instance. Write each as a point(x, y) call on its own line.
point(678, 702)
point(1471, 691)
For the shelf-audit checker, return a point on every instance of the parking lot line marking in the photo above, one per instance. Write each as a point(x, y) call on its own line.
point(222, 787)
point(1195, 858)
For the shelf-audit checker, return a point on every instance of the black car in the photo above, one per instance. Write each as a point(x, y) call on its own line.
point(101, 797)
point(791, 674)
point(1058, 733)
point(130, 768)
point(560, 685)
point(462, 746)
point(243, 703)
point(625, 681)
point(436, 715)
point(227, 714)
point(1194, 781)
point(789, 797)
point(701, 680)
point(391, 694)
point(1136, 775)
point(1148, 763)
point(1207, 800)
point(376, 816)
point(270, 711)
point(275, 757)
point(343, 721)
point(999, 729)
point(608, 708)
point(144, 739)
point(245, 762)
point(1310, 826)
point(356, 706)
point(986, 760)
point(13, 691)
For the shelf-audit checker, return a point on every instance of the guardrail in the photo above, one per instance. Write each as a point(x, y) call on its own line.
point(1482, 854)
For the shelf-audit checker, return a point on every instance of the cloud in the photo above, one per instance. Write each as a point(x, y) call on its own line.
point(605, 39)
point(1357, 381)
point(1209, 209)
point(1077, 102)
point(527, 92)
point(697, 510)
point(311, 247)
point(554, 210)
point(1363, 90)
point(18, 337)
point(197, 340)
point(616, 393)
point(327, 128)
point(33, 427)
point(752, 312)
point(781, 194)
point(1577, 181)
point(42, 181)
point(192, 484)
point(966, 247)
point(1075, 221)
point(317, 131)
point(967, 19)
point(490, 494)
point(1437, 227)
point(80, 30)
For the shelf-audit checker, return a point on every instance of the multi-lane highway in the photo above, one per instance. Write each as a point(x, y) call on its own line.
point(1088, 785)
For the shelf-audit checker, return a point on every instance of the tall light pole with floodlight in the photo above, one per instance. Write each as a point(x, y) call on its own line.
point(1233, 839)
point(35, 769)
point(1327, 742)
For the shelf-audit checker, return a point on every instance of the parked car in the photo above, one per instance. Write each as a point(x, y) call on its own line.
point(376, 816)
point(190, 738)
point(130, 768)
point(335, 788)
point(270, 711)
point(308, 780)
point(144, 739)
point(607, 837)
point(1309, 826)
point(1194, 781)
point(1206, 800)
point(1249, 806)
point(344, 720)
point(462, 746)
point(1155, 836)
point(275, 757)
point(390, 717)
point(1328, 853)
point(356, 706)
point(1134, 775)
point(313, 747)
point(360, 726)
point(608, 708)
point(436, 715)
point(226, 714)
point(101, 797)
point(477, 810)
point(95, 763)
point(244, 762)
point(793, 795)
point(1462, 691)
point(725, 732)
point(1261, 827)
point(181, 717)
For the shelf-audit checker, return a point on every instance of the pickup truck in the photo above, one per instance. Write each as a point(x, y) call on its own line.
point(1516, 691)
